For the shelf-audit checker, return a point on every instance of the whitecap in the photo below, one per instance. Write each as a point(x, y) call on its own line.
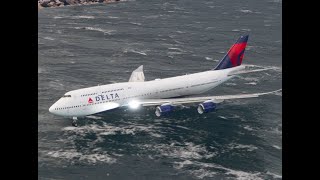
point(248, 128)
point(135, 23)
point(222, 117)
point(99, 30)
point(274, 175)
point(82, 17)
point(242, 146)
point(245, 11)
point(93, 117)
point(74, 155)
point(134, 51)
point(252, 83)
point(277, 147)
point(49, 38)
point(113, 17)
point(57, 17)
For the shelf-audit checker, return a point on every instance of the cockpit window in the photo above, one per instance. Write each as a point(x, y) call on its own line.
point(66, 96)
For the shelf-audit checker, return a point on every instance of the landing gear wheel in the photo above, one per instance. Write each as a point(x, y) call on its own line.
point(74, 121)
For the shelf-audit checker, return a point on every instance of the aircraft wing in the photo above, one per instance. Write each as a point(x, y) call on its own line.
point(104, 107)
point(187, 100)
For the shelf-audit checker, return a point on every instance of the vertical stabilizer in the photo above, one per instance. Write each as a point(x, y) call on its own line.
point(235, 54)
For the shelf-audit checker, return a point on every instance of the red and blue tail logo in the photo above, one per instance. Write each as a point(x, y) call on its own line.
point(235, 55)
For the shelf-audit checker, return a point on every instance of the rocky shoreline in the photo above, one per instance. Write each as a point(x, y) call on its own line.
point(59, 3)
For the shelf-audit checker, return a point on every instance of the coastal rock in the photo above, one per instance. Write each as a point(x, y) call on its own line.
point(39, 5)
point(57, 3)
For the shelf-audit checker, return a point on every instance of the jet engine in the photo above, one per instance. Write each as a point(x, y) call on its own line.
point(206, 106)
point(163, 109)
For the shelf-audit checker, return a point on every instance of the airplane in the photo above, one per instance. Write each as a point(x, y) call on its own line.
point(164, 94)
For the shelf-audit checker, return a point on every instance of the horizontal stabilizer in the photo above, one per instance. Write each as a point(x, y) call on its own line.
point(247, 71)
point(137, 75)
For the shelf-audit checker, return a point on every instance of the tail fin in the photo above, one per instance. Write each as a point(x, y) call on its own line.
point(235, 54)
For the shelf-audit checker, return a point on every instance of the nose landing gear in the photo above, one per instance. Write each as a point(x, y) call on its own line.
point(74, 121)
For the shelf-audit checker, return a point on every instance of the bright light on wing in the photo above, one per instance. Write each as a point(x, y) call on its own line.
point(134, 104)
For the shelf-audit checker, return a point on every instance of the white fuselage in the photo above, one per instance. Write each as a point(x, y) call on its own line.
point(91, 100)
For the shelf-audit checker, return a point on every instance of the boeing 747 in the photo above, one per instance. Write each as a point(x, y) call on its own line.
point(164, 94)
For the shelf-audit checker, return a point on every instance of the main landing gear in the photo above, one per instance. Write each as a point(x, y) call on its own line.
point(74, 121)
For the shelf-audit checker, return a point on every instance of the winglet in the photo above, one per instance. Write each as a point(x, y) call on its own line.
point(137, 75)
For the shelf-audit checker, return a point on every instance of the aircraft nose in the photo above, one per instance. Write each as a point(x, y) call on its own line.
point(51, 109)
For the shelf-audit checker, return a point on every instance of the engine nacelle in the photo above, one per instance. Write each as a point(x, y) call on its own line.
point(206, 106)
point(163, 109)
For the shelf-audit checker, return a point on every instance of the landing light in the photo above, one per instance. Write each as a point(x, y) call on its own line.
point(134, 104)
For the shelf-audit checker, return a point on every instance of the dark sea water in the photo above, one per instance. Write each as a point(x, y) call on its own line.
point(82, 46)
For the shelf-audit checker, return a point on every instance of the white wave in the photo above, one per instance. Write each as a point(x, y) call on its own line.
point(112, 130)
point(252, 83)
point(93, 117)
point(134, 51)
point(74, 155)
point(246, 29)
point(113, 17)
point(49, 38)
point(135, 23)
point(185, 151)
point(223, 117)
point(208, 58)
point(267, 25)
point(277, 147)
point(56, 85)
point(202, 170)
point(248, 128)
point(174, 53)
point(202, 173)
point(82, 17)
point(275, 68)
point(99, 30)
point(40, 70)
point(180, 32)
point(274, 175)
point(242, 146)
point(182, 127)
point(245, 11)
point(235, 30)
point(241, 175)
point(57, 17)
point(252, 79)
point(178, 49)
point(230, 84)
point(191, 155)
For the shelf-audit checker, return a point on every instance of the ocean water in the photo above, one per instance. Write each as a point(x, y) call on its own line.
point(82, 46)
